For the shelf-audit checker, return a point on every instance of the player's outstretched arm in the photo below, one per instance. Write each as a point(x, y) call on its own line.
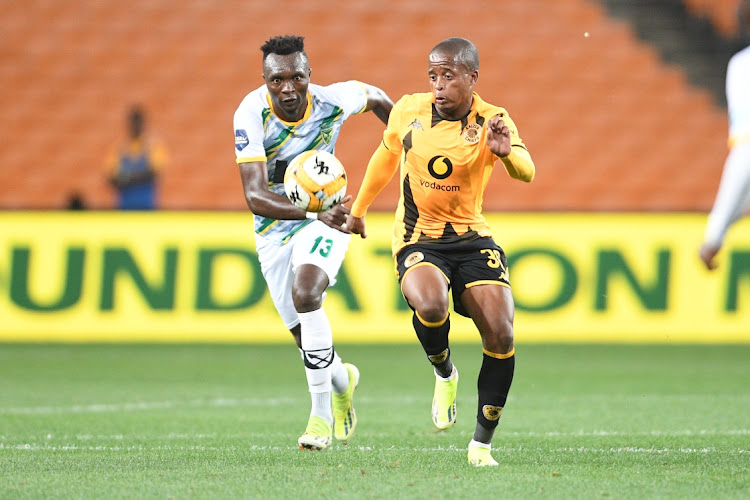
point(383, 164)
point(732, 200)
point(378, 102)
point(380, 169)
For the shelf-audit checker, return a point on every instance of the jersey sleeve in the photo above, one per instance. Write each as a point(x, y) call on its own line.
point(351, 96)
point(733, 196)
point(738, 98)
point(248, 132)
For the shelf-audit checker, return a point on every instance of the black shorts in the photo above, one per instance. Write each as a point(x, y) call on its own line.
point(464, 264)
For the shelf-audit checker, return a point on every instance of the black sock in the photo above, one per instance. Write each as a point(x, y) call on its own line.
point(493, 384)
point(434, 341)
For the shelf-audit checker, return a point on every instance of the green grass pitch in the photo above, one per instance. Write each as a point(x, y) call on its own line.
point(221, 421)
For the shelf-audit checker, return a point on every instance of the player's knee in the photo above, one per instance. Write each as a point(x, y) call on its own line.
point(306, 300)
point(431, 305)
point(499, 339)
point(432, 312)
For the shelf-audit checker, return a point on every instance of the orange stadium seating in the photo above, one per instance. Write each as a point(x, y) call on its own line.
point(609, 125)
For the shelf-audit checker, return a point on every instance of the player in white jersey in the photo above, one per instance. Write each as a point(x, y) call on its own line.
point(272, 125)
point(733, 197)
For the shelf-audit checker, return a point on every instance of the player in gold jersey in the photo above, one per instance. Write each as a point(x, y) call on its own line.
point(447, 143)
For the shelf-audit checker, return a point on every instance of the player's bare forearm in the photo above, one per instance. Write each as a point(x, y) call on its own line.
point(260, 200)
point(382, 113)
point(379, 103)
point(272, 205)
point(275, 206)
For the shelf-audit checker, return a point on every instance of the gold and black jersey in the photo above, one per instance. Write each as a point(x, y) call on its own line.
point(445, 167)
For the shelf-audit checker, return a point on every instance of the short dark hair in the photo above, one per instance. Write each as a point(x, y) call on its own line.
point(283, 46)
point(465, 51)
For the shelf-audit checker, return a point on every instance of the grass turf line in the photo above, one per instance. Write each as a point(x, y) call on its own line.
point(221, 421)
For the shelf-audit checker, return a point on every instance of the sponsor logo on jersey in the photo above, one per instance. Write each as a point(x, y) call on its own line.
point(471, 133)
point(240, 139)
point(492, 412)
point(413, 259)
point(440, 167)
point(438, 187)
point(416, 124)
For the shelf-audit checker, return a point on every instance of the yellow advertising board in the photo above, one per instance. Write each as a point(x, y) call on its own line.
point(194, 276)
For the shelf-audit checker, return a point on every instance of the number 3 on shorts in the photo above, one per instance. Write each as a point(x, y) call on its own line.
point(325, 246)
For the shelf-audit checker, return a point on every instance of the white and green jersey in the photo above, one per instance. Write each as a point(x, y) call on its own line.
point(260, 135)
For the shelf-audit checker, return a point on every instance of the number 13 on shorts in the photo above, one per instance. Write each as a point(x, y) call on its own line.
point(322, 246)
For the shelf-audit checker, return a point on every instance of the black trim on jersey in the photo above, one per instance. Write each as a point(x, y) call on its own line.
point(279, 171)
point(407, 143)
point(436, 118)
point(449, 232)
point(450, 236)
point(480, 120)
point(411, 212)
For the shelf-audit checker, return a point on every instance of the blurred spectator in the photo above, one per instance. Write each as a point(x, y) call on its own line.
point(733, 198)
point(134, 165)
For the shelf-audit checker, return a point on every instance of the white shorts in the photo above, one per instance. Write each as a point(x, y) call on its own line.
point(316, 244)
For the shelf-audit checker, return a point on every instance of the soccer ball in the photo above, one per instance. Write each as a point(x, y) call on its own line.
point(315, 181)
